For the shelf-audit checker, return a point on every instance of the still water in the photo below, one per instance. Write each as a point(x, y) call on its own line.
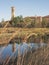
point(11, 50)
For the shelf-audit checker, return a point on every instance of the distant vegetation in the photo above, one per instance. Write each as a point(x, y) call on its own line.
point(26, 22)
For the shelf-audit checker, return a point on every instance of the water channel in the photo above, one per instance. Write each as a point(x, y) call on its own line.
point(12, 50)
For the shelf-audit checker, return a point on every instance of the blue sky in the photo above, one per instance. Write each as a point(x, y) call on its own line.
point(24, 7)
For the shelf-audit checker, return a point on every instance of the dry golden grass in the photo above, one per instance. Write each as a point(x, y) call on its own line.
point(6, 33)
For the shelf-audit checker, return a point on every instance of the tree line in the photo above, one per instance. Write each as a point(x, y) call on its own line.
point(27, 22)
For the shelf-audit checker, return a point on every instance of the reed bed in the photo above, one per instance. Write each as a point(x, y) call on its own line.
point(38, 56)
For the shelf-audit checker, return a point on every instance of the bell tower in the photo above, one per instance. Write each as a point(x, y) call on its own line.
point(12, 12)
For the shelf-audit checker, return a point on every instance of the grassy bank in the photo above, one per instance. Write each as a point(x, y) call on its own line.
point(7, 33)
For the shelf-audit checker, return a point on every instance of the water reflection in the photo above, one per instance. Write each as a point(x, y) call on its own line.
point(12, 50)
point(14, 47)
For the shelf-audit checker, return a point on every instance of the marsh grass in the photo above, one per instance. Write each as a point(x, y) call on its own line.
point(39, 56)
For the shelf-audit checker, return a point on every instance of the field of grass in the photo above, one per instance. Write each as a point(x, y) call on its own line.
point(6, 33)
point(24, 30)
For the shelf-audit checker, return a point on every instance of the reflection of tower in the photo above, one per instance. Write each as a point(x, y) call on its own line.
point(13, 47)
point(12, 12)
